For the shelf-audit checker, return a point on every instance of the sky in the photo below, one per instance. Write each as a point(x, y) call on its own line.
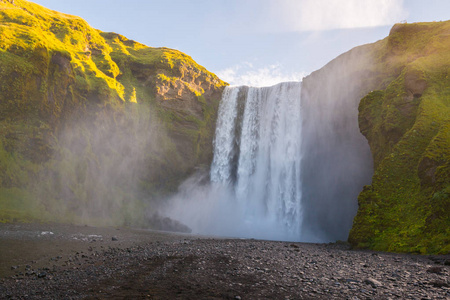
point(254, 42)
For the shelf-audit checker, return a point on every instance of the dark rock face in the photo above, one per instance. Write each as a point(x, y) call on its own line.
point(415, 84)
point(393, 92)
point(427, 171)
point(159, 222)
point(337, 162)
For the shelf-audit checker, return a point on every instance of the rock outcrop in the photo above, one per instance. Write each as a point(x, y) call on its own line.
point(397, 92)
point(406, 120)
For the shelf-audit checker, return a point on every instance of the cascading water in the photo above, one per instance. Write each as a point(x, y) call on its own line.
point(257, 154)
point(255, 184)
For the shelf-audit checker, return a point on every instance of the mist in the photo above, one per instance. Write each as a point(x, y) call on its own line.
point(337, 161)
point(99, 165)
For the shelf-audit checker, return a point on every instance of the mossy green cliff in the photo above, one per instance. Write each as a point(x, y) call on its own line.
point(75, 101)
point(406, 119)
point(396, 92)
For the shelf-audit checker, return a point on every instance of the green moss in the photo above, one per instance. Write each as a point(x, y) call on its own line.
point(17, 205)
point(56, 70)
point(405, 208)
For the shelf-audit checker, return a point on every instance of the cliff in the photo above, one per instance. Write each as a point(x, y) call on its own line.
point(406, 119)
point(396, 93)
point(336, 161)
point(91, 123)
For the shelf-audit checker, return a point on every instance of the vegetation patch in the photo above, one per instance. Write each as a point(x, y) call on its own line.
point(85, 135)
point(407, 126)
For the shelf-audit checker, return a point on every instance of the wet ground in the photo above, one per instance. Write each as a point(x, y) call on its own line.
point(71, 262)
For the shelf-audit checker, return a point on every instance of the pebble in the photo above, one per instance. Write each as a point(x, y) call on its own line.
point(233, 269)
point(373, 282)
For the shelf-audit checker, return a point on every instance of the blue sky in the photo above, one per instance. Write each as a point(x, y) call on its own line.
point(254, 42)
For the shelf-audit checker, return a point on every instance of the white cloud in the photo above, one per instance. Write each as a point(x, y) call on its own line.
point(247, 74)
point(312, 15)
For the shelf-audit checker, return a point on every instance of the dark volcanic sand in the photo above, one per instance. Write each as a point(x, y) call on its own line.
point(71, 262)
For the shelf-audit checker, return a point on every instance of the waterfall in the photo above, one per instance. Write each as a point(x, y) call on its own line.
point(257, 153)
point(289, 162)
point(254, 189)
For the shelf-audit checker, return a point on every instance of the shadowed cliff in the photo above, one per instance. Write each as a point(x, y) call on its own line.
point(336, 160)
point(396, 93)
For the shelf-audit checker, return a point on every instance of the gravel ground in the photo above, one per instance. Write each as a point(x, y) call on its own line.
point(70, 262)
